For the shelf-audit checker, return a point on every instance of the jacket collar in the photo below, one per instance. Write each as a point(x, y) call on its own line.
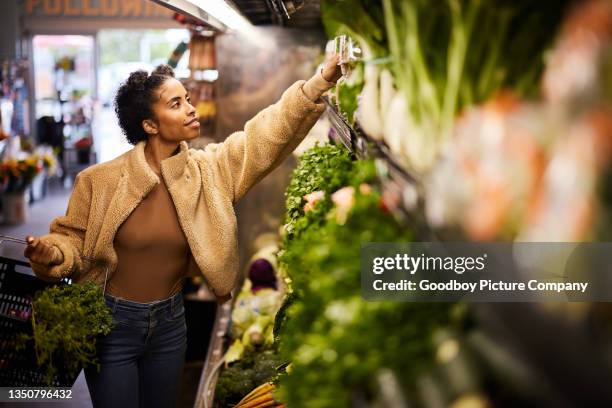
point(142, 178)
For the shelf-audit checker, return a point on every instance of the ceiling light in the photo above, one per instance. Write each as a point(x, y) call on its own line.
point(222, 11)
point(216, 13)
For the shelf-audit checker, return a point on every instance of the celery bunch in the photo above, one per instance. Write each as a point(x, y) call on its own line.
point(450, 54)
point(446, 55)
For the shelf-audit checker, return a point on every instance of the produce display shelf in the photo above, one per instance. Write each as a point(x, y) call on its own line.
point(214, 357)
point(364, 146)
point(398, 183)
point(343, 131)
point(501, 337)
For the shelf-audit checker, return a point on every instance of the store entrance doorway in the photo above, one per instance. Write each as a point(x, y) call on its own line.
point(64, 78)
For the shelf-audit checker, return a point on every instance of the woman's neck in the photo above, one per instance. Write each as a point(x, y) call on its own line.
point(156, 151)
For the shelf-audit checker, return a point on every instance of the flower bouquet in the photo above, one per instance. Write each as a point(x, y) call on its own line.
point(15, 177)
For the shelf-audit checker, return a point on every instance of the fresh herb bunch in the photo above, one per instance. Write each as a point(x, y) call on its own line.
point(324, 333)
point(324, 167)
point(244, 375)
point(362, 171)
point(66, 320)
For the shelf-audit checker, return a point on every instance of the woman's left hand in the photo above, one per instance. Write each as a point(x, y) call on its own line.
point(331, 71)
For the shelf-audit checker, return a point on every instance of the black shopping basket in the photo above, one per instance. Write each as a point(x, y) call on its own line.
point(17, 288)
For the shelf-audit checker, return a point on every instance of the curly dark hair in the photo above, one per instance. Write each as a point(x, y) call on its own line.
point(134, 101)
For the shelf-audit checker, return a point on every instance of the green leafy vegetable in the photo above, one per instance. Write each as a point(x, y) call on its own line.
point(360, 19)
point(324, 333)
point(450, 54)
point(244, 375)
point(325, 168)
point(66, 320)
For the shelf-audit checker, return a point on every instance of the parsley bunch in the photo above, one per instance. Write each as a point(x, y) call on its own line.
point(66, 320)
point(324, 167)
point(335, 340)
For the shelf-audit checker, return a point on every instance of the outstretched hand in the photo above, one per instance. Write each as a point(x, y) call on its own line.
point(331, 71)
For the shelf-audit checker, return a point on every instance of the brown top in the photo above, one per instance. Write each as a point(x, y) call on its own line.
point(153, 253)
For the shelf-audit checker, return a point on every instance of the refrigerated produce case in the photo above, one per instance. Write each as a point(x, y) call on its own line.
point(492, 354)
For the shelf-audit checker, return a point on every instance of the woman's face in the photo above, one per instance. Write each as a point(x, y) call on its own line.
point(175, 117)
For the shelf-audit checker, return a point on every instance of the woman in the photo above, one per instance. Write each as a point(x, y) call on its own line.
point(139, 224)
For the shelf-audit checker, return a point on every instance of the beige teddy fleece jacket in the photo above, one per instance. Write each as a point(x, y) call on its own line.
point(204, 186)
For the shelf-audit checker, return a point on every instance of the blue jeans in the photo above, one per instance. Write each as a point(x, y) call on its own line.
point(142, 358)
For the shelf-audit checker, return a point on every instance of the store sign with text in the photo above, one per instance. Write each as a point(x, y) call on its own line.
point(99, 9)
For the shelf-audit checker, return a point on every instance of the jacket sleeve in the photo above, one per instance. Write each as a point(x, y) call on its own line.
point(67, 233)
point(245, 157)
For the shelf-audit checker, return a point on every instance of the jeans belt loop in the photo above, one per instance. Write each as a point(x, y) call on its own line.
point(115, 301)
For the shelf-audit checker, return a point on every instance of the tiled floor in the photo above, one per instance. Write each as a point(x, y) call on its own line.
point(40, 215)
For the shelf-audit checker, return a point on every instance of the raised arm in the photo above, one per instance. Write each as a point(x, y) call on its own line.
point(245, 157)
